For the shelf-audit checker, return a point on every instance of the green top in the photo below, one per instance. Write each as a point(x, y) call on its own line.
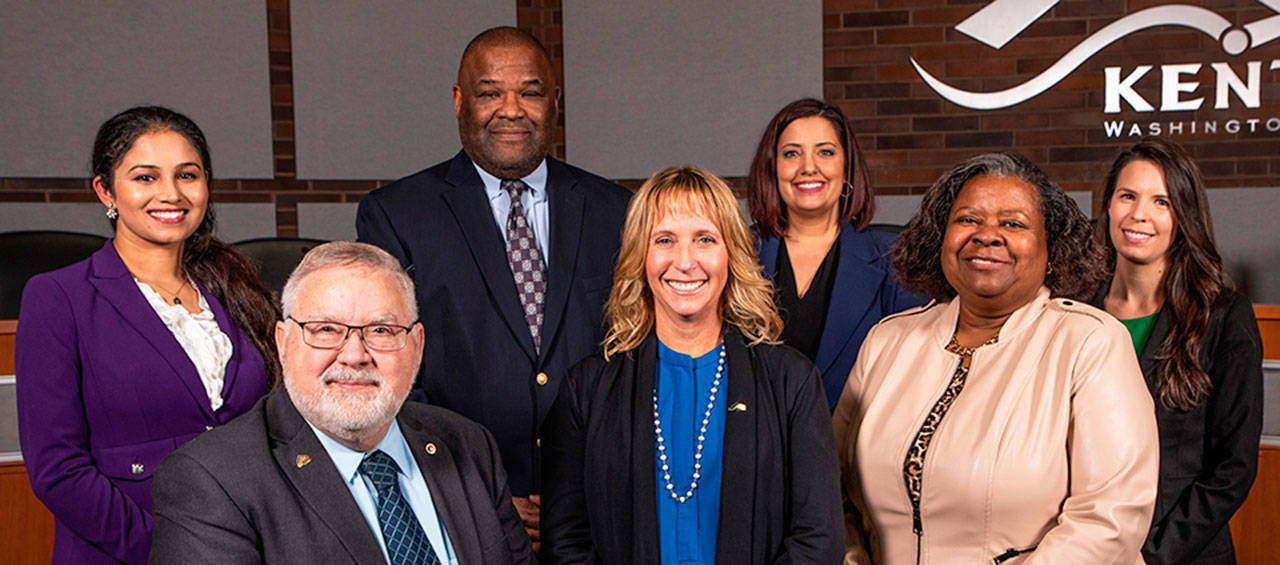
point(1140, 330)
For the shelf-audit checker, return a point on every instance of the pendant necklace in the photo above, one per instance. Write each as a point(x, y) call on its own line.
point(702, 436)
point(176, 301)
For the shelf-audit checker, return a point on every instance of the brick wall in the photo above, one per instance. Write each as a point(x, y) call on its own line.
point(911, 134)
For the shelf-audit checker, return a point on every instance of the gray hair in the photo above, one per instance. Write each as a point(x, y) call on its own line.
point(348, 254)
point(1074, 254)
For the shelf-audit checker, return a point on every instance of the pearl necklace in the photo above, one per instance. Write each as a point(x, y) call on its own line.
point(702, 436)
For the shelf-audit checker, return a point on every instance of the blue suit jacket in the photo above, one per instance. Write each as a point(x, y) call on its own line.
point(479, 359)
point(104, 393)
point(864, 292)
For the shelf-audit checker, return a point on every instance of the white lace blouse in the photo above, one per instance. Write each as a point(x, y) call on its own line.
point(205, 343)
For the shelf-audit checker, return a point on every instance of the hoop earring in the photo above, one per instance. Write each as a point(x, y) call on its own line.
point(112, 213)
point(846, 190)
point(1049, 271)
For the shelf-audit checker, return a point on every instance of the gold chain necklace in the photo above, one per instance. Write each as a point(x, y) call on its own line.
point(954, 346)
point(185, 282)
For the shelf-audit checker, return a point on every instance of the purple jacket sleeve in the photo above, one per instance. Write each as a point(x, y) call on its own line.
point(54, 432)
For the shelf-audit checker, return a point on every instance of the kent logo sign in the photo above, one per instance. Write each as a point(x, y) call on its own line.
point(1183, 87)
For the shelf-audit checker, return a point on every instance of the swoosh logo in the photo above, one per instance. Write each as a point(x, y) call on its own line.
point(995, 26)
point(1002, 20)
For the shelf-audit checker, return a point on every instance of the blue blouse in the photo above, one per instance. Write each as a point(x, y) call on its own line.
point(687, 532)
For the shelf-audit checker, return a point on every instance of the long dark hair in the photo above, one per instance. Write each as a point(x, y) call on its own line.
point(213, 265)
point(1194, 279)
point(767, 208)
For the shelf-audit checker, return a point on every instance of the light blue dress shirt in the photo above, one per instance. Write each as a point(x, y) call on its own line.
point(536, 209)
point(687, 532)
point(412, 485)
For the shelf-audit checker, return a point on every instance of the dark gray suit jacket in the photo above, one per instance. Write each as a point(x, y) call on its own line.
point(245, 493)
point(479, 359)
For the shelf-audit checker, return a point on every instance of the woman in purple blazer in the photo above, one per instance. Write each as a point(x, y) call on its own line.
point(120, 358)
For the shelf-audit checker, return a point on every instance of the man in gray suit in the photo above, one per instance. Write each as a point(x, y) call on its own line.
point(337, 467)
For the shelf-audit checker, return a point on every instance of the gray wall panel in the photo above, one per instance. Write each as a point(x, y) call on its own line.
point(332, 221)
point(238, 221)
point(8, 420)
point(668, 82)
point(80, 217)
point(68, 66)
point(372, 82)
point(1248, 235)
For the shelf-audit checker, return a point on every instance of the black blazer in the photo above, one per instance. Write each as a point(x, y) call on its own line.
point(1209, 455)
point(780, 492)
point(479, 358)
point(246, 493)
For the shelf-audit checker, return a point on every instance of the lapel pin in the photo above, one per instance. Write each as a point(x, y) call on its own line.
point(431, 449)
point(302, 460)
point(738, 407)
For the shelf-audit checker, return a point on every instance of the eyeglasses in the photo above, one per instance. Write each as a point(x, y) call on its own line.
point(331, 335)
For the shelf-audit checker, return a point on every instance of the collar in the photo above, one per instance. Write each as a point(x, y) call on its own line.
point(671, 358)
point(1021, 318)
point(537, 181)
point(348, 460)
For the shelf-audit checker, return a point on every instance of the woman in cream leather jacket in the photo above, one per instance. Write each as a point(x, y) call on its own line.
point(1006, 422)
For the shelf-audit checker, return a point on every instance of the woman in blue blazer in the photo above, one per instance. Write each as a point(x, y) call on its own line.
point(811, 200)
point(120, 358)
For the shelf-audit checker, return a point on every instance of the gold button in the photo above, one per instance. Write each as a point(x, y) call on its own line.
point(542, 378)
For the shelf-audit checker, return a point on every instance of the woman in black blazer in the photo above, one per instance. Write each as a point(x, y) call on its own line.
point(1198, 346)
point(746, 471)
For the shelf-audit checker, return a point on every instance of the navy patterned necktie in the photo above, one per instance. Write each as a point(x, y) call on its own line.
point(406, 542)
point(526, 260)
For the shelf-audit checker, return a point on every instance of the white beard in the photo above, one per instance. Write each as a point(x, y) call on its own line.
point(349, 415)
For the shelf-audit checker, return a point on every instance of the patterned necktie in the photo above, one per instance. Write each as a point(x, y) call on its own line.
point(406, 542)
point(526, 260)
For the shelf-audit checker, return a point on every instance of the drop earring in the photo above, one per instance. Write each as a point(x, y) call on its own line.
point(112, 213)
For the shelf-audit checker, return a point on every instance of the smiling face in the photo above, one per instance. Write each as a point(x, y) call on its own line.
point(811, 167)
point(351, 393)
point(1142, 226)
point(160, 188)
point(505, 101)
point(994, 252)
point(687, 266)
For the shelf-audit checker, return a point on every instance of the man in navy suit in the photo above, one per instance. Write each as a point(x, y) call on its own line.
point(512, 253)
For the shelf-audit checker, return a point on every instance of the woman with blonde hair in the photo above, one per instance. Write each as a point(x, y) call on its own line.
point(693, 437)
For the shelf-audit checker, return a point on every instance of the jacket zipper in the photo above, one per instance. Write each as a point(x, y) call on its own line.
point(917, 527)
point(1011, 553)
point(917, 523)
